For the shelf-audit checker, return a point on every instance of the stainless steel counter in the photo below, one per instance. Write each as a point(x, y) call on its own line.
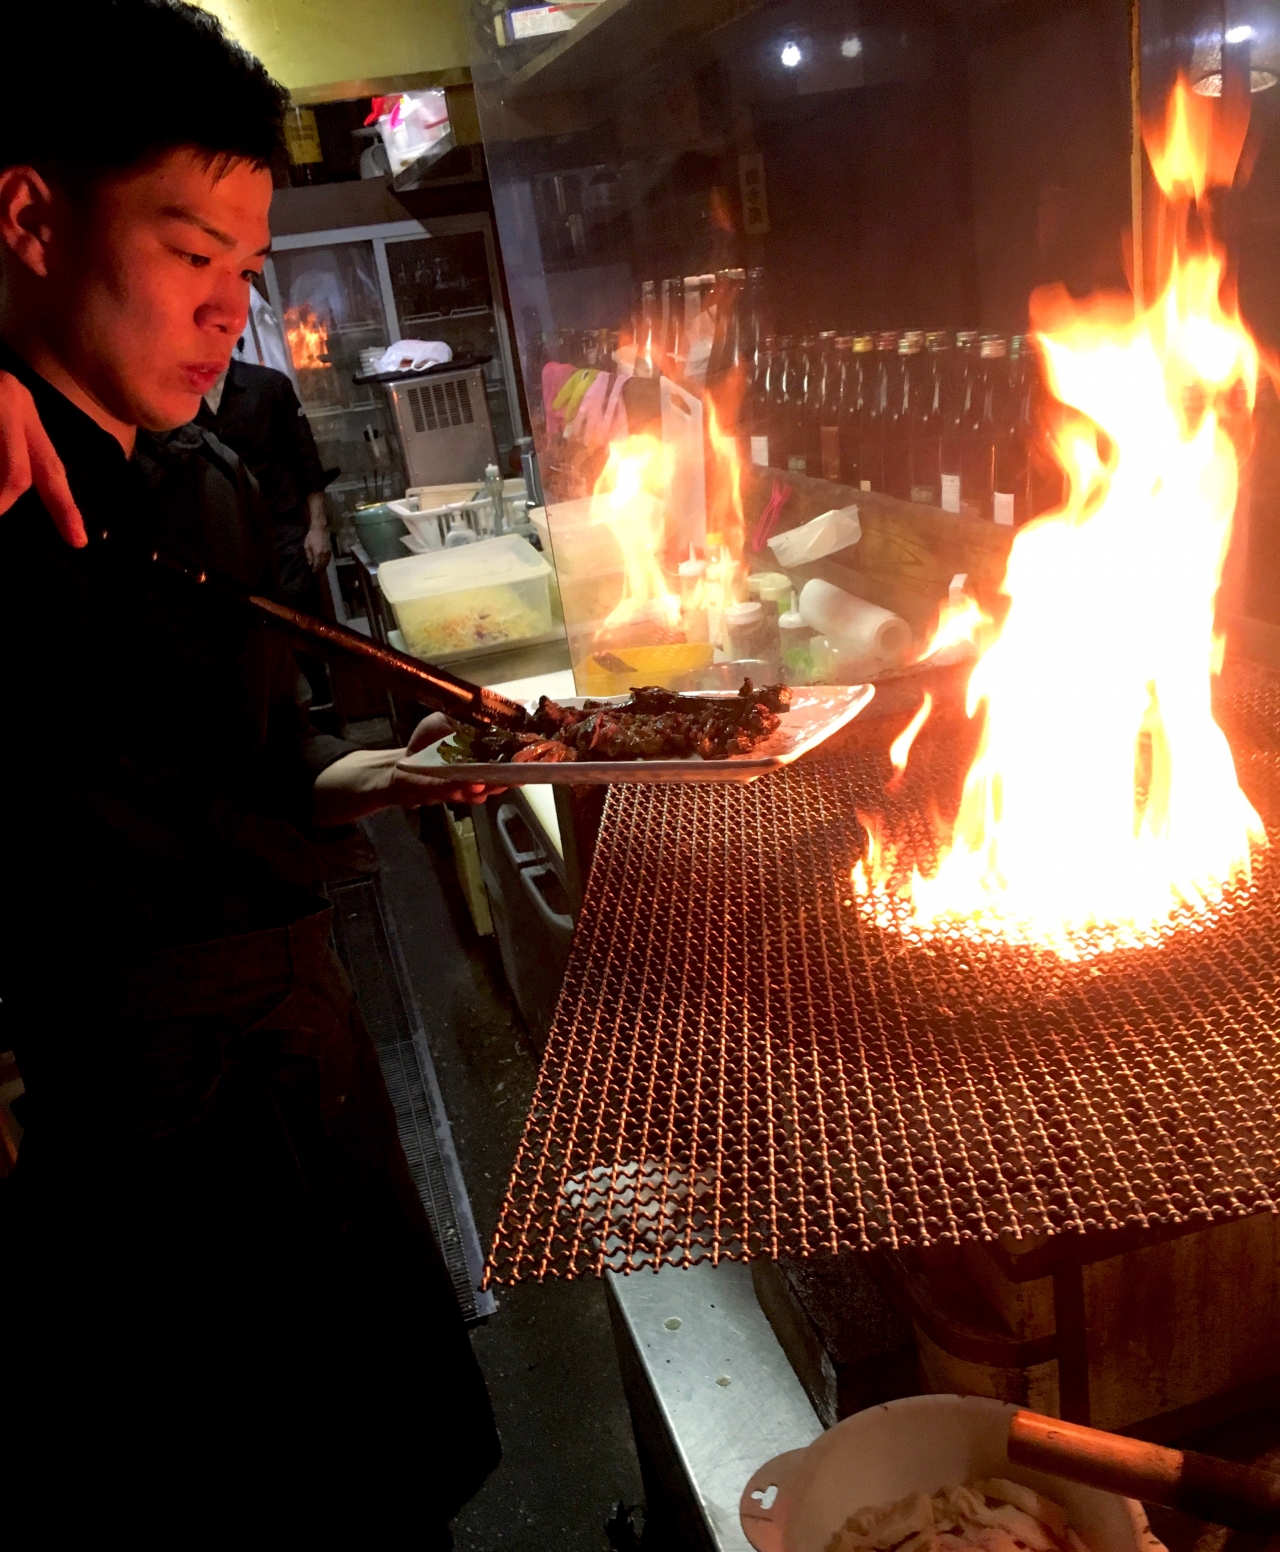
point(712, 1395)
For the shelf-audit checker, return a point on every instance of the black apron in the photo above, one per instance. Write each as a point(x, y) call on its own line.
point(224, 1226)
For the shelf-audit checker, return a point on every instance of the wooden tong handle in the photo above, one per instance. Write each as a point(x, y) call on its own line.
point(1242, 1497)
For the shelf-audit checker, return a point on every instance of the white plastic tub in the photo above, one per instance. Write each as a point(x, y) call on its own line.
point(475, 596)
point(798, 1501)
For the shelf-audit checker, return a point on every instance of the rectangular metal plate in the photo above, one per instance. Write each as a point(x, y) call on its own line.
point(814, 716)
point(745, 1062)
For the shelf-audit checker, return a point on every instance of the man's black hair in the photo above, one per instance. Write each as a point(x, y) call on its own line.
point(94, 87)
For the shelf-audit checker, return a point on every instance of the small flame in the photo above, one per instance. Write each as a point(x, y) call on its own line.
point(961, 623)
point(900, 748)
point(1103, 801)
point(308, 338)
point(1197, 147)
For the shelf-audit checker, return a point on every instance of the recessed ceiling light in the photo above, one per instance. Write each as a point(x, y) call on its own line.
point(1239, 34)
point(790, 55)
point(851, 47)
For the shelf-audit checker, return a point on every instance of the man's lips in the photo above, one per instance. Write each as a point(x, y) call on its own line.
point(201, 376)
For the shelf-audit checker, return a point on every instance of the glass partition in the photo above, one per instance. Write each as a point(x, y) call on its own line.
point(332, 309)
point(768, 257)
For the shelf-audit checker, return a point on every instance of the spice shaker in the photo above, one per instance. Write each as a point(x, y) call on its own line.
point(794, 638)
point(744, 631)
point(752, 632)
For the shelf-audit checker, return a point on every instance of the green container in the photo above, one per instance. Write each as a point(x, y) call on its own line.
point(380, 532)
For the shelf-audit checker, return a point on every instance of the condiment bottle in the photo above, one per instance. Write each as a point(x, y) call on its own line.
point(493, 485)
point(794, 638)
point(745, 636)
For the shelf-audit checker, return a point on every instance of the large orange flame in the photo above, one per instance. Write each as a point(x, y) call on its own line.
point(1102, 805)
point(632, 498)
point(629, 500)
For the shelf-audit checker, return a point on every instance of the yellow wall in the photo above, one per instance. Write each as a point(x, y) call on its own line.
point(312, 44)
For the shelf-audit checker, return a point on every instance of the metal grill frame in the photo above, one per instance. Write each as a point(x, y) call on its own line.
point(742, 1064)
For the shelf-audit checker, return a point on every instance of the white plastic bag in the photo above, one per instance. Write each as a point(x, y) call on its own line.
point(410, 123)
point(823, 536)
point(414, 356)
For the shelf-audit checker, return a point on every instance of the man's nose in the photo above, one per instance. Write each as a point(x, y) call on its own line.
point(226, 308)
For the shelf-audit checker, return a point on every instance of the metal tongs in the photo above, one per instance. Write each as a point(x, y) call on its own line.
point(435, 688)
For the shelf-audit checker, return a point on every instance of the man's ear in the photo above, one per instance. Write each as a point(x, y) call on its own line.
point(27, 205)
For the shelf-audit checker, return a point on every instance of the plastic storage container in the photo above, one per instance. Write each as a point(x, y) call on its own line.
point(462, 600)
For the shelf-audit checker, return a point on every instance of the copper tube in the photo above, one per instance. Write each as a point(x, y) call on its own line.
point(1242, 1497)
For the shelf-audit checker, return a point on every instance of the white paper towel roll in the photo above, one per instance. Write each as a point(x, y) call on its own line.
point(853, 623)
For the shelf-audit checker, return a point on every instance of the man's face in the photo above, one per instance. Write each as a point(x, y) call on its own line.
point(151, 289)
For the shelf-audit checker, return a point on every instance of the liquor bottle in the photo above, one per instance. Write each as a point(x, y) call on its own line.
point(876, 416)
point(754, 314)
point(757, 346)
point(674, 347)
point(755, 402)
point(791, 454)
point(648, 340)
point(1011, 498)
point(729, 338)
point(757, 337)
point(692, 298)
point(1046, 490)
point(815, 368)
point(820, 401)
point(960, 389)
point(989, 425)
point(779, 367)
point(927, 422)
point(905, 390)
point(839, 355)
point(855, 398)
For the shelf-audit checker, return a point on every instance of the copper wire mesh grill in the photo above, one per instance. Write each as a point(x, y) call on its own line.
point(743, 1064)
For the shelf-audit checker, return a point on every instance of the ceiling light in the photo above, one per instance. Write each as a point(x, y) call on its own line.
point(1239, 34)
point(851, 47)
point(790, 55)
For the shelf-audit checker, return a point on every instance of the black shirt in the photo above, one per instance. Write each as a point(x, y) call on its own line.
point(159, 762)
point(260, 417)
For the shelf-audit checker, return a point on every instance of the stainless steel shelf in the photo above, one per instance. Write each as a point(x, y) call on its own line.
point(616, 38)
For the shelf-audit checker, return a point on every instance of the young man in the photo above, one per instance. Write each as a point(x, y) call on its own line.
point(218, 1279)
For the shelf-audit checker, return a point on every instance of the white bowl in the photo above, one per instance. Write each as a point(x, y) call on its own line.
point(798, 1501)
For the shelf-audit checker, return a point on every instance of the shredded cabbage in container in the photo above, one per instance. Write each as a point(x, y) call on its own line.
point(480, 617)
point(992, 1516)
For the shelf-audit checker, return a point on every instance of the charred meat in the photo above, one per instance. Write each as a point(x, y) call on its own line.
point(654, 724)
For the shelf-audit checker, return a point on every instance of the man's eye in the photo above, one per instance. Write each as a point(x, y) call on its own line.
point(250, 275)
point(197, 260)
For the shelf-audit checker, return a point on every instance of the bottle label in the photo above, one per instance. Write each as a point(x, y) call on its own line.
point(830, 453)
point(950, 492)
point(797, 464)
point(865, 484)
point(760, 451)
point(923, 495)
point(1003, 510)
